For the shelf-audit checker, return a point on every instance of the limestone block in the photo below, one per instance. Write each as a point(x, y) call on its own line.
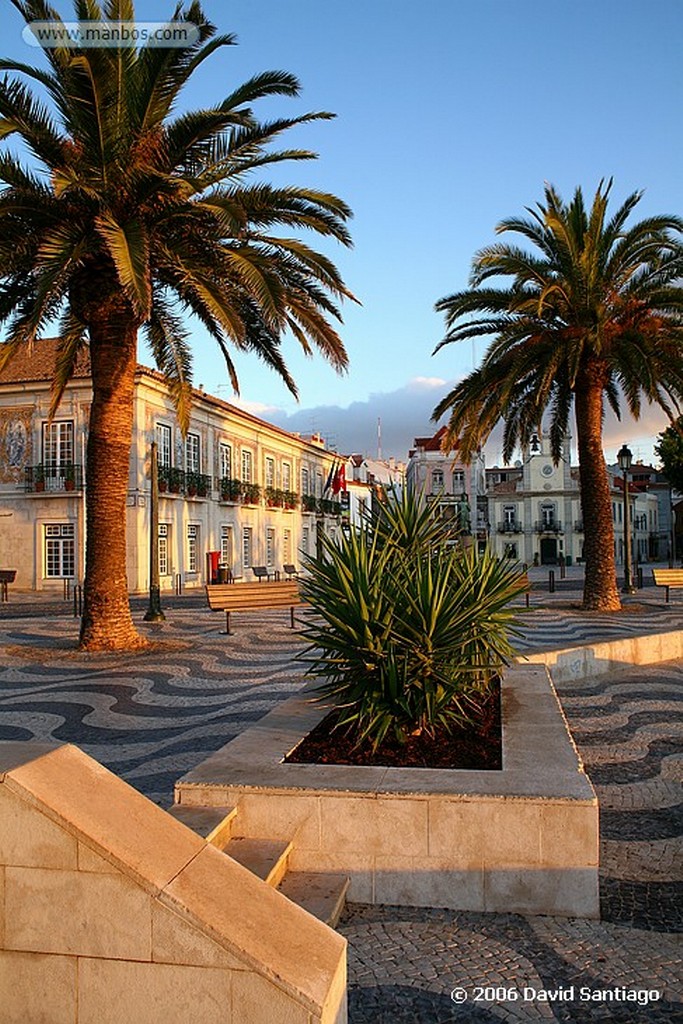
point(457, 831)
point(416, 882)
point(77, 912)
point(178, 941)
point(258, 1001)
point(359, 867)
point(28, 837)
point(88, 860)
point(379, 826)
point(111, 991)
point(37, 989)
point(569, 836)
point(280, 816)
point(566, 893)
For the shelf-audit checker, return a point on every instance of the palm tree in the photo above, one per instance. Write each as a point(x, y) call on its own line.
point(130, 215)
point(594, 312)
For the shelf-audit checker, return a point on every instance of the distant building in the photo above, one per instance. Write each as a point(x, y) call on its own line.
point(531, 512)
point(235, 485)
point(457, 490)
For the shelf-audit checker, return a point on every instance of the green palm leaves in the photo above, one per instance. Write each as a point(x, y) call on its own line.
point(162, 208)
point(592, 292)
point(407, 627)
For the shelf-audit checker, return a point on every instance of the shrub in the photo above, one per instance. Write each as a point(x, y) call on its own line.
point(409, 628)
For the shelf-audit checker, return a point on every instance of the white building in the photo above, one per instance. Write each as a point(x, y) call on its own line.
point(236, 486)
point(456, 489)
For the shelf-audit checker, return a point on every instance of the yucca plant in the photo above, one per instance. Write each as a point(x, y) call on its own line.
point(409, 629)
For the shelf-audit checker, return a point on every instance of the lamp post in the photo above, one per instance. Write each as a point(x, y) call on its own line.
point(625, 458)
point(154, 612)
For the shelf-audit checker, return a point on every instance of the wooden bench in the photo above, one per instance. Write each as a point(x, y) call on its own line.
point(290, 571)
point(668, 578)
point(7, 576)
point(252, 597)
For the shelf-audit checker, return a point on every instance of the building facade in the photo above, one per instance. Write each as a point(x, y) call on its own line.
point(235, 491)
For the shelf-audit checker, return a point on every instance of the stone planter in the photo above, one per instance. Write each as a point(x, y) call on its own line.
point(523, 839)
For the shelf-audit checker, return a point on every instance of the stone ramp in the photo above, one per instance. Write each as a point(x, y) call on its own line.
point(113, 910)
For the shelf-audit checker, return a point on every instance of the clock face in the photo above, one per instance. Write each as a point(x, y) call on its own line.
point(547, 470)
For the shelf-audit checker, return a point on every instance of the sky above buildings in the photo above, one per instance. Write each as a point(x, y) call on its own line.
point(451, 114)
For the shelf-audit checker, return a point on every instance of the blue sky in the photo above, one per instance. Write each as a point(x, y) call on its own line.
point(450, 116)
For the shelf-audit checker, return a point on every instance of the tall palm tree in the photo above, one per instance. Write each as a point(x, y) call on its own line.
point(593, 312)
point(129, 215)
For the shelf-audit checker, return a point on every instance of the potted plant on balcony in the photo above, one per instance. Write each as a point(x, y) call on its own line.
point(309, 503)
point(175, 480)
point(230, 489)
point(69, 474)
point(39, 477)
point(251, 494)
point(274, 497)
point(291, 499)
point(191, 484)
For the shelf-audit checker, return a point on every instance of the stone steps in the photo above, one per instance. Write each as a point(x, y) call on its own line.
point(321, 894)
point(211, 823)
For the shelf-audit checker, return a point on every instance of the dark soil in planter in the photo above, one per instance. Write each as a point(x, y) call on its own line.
point(477, 746)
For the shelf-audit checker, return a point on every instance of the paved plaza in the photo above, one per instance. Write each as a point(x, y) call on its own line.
point(153, 716)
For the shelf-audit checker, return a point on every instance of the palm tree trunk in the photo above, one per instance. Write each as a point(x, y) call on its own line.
point(600, 588)
point(107, 622)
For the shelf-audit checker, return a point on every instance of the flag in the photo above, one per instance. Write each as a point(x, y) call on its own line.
point(332, 475)
point(339, 482)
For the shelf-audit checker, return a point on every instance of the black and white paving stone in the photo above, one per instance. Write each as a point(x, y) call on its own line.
point(152, 716)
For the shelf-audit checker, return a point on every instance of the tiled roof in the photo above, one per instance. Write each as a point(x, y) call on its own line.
point(38, 363)
point(431, 444)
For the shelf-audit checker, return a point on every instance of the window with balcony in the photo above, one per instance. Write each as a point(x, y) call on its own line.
point(287, 547)
point(163, 439)
point(247, 466)
point(270, 472)
point(458, 481)
point(226, 545)
point(437, 480)
point(286, 476)
point(225, 459)
point(305, 539)
point(305, 484)
point(270, 547)
point(247, 547)
point(192, 453)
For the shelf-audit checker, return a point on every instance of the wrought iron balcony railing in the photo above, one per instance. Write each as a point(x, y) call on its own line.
point(553, 526)
point(510, 526)
point(53, 477)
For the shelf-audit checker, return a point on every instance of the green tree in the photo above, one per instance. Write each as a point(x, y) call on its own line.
point(129, 215)
point(593, 312)
point(670, 453)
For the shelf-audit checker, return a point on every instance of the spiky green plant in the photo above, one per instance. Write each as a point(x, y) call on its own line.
point(408, 628)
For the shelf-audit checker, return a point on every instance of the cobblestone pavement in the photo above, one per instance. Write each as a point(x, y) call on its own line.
point(153, 716)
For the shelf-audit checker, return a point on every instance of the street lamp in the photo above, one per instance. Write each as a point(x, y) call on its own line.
point(625, 459)
point(154, 612)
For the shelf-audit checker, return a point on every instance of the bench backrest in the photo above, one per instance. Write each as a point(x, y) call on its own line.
point(221, 595)
point(668, 577)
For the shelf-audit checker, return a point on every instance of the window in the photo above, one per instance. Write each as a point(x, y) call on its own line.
point(287, 547)
point(226, 545)
point(58, 452)
point(270, 472)
point(286, 476)
point(548, 515)
point(437, 480)
point(318, 485)
point(305, 539)
point(246, 547)
point(458, 481)
point(192, 548)
point(270, 546)
point(246, 466)
point(163, 436)
point(59, 550)
point(509, 515)
point(58, 443)
point(225, 458)
point(192, 458)
point(163, 550)
point(305, 486)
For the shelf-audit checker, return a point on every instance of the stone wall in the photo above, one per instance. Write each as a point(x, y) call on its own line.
point(111, 912)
